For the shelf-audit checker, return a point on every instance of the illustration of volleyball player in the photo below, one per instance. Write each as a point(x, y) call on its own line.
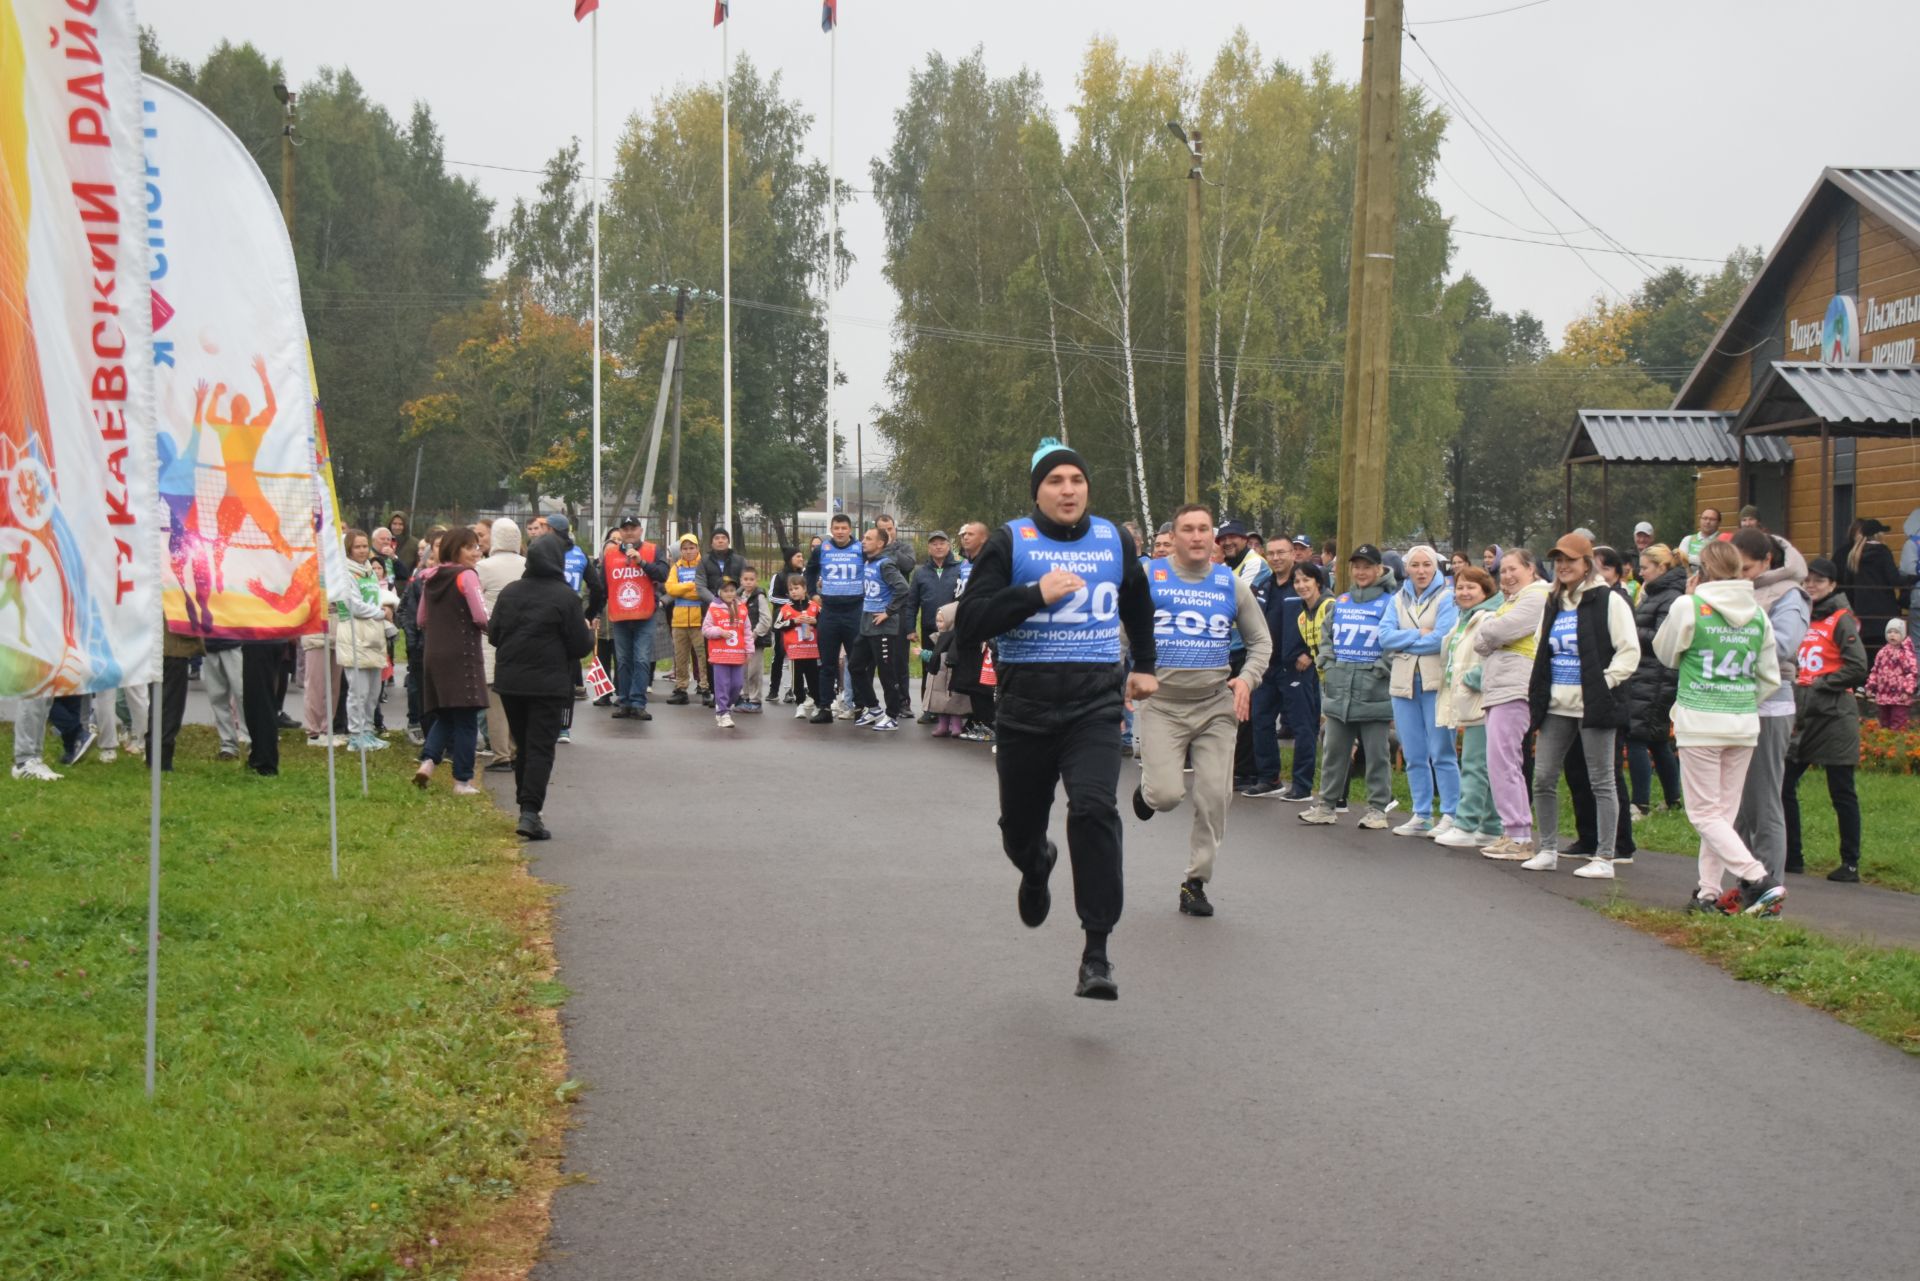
point(240, 439)
point(186, 548)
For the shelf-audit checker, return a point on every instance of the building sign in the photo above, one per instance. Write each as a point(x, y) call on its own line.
point(1840, 332)
point(1894, 313)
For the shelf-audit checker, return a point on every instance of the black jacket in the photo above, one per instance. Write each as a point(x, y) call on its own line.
point(715, 566)
point(1281, 605)
point(1875, 589)
point(1653, 686)
point(1045, 697)
point(931, 587)
point(538, 628)
point(1600, 706)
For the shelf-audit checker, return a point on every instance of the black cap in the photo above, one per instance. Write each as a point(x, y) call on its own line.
point(1367, 552)
point(1229, 528)
point(1873, 528)
point(629, 519)
point(1825, 568)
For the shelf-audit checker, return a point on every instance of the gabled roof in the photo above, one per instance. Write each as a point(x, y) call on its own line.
point(1664, 436)
point(1892, 194)
point(1799, 397)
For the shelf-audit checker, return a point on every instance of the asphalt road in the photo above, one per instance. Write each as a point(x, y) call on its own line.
point(819, 1044)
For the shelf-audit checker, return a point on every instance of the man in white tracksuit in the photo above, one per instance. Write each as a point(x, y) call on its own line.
point(1200, 704)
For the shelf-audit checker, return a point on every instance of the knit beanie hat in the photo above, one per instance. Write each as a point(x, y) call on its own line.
point(1052, 454)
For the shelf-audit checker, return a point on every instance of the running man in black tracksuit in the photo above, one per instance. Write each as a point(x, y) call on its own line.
point(1057, 588)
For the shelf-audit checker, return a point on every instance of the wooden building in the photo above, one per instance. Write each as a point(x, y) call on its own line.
point(1818, 360)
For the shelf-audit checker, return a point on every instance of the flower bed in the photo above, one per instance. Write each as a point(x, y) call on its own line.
point(1886, 751)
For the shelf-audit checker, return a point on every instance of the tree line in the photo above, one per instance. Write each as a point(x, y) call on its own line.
point(1040, 264)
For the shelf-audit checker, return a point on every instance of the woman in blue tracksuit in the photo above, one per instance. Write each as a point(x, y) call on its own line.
point(1413, 638)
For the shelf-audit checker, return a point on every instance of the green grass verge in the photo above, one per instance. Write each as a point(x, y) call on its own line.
point(357, 1079)
point(1876, 989)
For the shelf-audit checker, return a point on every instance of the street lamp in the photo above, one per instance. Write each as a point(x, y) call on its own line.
point(1192, 144)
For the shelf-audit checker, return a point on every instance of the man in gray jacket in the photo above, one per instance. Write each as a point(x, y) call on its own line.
point(1201, 702)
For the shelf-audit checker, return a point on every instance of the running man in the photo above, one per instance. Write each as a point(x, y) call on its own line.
point(1201, 701)
point(1055, 588)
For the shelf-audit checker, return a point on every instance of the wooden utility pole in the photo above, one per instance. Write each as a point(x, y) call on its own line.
point(1193, 321)
point(1363, 417)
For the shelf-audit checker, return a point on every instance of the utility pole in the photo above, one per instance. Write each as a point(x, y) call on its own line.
point(1363, 418)
point(679, 381)
point(860, 477)
point(1192, 143)
point(287, 144)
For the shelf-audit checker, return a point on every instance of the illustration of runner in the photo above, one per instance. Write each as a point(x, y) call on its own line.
point(18, 571)
point(240, 439)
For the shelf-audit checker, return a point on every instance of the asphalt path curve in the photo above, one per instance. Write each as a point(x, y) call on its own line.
point(818, 1043)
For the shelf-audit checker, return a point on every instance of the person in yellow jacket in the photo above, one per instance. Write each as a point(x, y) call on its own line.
point(689, 597)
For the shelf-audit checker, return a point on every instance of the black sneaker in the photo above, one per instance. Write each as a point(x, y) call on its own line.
point(1703, 904)
point(1764, 897)
point(81, 747)
point(1193, 899)
point(1035, 899)
point(822, 717)
point(927, 718)
point(1142, 810)
point(619, 713)
point(677, 699)
point(641, 714)
point(1796, 867)
point(605, 700)
point(498, 767)
point(1096, 980)
point(1262, 789)
point(530, 827)
point(285, 721)
point(1847, 873)
point(1297, 795)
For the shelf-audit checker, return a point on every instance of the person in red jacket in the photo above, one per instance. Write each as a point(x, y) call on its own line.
point(729, 633)
point(797, 627)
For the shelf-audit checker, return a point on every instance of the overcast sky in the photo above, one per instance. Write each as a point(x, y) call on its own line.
point(1678, 127)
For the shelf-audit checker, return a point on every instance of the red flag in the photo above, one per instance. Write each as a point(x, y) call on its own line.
point(829, 15)
point(581, 8)
point(719, 12)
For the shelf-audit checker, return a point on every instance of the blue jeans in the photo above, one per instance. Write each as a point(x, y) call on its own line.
point(632, 661)
point(1429, 752)
point(458, 727)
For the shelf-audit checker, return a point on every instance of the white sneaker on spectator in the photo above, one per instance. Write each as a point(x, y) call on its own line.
point(35, 769)
point(1415, 826)
point(1544, 861)
point(1457, 838)
point(1600, 869)
point(1441, 828)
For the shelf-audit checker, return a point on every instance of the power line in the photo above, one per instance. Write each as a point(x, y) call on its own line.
point(1475, 17)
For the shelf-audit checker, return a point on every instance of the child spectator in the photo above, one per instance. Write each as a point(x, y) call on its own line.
point(949, 709)
point(1890, 686)
point(760, 619)
point(729, 634)
point(360, 641)
point(797, 626)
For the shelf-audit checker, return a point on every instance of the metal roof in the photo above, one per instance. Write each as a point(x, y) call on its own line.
point(1798, 397)
point(1665, 436)
point(1894, 194)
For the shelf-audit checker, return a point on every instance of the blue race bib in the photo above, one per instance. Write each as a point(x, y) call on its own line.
point(574, 567)
point(1192, 622)
point(1563, 640)
point(1354, 628)
point(879, 595)
point(842, 570)
point(1082, 627)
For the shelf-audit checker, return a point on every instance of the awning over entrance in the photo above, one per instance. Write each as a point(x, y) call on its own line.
point(1630, 436)
point(1806, 399)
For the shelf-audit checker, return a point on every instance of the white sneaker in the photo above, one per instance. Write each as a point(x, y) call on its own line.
point(108, 756)
point(723, 721)
point(35, 769)
point(1415, 826)
point(1318, 813)
point(801, 712)
point(1374, 820)
point(1597, 869)
point(867, 717)
point(1445, 825)
point(883, 724)
point(1544, 861)
point(1455, 838)
point(843, 713)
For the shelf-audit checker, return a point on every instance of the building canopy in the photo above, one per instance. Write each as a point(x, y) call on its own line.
point(1671, 436)
point(1801, 398)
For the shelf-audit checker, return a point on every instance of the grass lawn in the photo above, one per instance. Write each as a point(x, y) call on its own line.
point(357, 1079)
point(1876, 989)
point(1889, 818)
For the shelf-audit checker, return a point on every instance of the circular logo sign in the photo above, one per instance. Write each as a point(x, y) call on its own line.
point(1840, 332)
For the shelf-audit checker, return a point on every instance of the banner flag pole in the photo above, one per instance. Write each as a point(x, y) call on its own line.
point(598, 527)
point(155, 693)
point(726, 277)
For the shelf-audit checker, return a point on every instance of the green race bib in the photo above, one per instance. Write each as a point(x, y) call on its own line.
point(1717, 671)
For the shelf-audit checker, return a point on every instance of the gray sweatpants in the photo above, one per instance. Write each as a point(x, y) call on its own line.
point(220, 677)
point(1550, 758)
point(1166, 731)
point(1762, 821)
point(30, 729)
point(1336, 761)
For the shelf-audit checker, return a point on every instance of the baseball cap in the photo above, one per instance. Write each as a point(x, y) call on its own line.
point(629, 519)
point(1301, 540)
point(1230, 528)
point(1644, 527)
point(1367, 552)
point(1749, 511)
point(941, 534)
point(689, 538)
point(1573, 545)
point(559, 524)
point(1824, 568)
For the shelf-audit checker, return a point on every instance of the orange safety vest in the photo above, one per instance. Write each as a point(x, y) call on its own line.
point(630, 593)
point(1818, 652)
point(802, 640)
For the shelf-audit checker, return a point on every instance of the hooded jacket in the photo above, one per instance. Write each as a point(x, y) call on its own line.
point(1463, 670)
point(1609, 650)
point(360, 640)
point(539, 628)
point(505, 565)
point(1413, 651)
point(1506, 643)
point(1355, 692)
point(687, 593)
point(1651, 688)
point(1733, 600)
point(1780, 593)
point(1826, 720)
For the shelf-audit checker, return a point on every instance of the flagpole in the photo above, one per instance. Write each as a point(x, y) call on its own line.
point(833, 234)
point(726, 277)
point(333, 793)
point(155, 694)
point(595, 167)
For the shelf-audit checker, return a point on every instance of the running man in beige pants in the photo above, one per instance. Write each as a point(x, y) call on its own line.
point(1198, 708)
